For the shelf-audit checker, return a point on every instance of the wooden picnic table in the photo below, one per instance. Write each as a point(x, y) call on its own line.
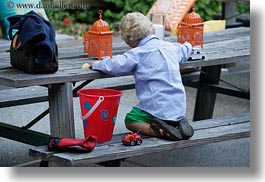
point(221, 47)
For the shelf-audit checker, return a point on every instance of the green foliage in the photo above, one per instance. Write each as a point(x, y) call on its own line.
point(114, 10)
point(123, 7)
point(243, 8)
point(78, 24)
point(207, 8)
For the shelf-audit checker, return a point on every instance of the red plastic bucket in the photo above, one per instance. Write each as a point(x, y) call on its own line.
point(99, 109)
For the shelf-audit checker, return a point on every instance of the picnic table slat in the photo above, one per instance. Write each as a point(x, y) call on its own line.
point(206, 132)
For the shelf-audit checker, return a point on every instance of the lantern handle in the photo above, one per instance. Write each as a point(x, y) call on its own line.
point(100, 13)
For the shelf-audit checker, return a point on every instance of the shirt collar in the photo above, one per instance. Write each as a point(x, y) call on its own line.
point(146, 39)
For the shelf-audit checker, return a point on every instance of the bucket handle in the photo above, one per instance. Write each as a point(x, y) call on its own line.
point(100, 99)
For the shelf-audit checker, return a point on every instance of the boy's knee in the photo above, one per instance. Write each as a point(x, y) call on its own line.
point(132, 127)
point(128, 126)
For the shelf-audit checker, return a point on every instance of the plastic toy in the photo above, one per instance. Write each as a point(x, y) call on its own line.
point(197, 54)
point(132, 139)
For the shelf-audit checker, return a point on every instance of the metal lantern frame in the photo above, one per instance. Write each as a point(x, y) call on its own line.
point(191, 29)
point(98, 40)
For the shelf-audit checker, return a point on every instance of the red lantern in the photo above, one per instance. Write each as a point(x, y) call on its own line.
point(191, 29)
point(98, 40)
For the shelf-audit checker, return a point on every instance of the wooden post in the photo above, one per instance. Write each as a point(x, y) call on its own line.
point(229, 12)
point(205, 99)
point(61, 110)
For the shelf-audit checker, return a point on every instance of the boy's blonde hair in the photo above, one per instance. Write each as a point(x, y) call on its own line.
point(135, 26)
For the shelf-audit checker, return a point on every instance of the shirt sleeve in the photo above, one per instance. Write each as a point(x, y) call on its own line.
point(186, 50)
point(118, 65)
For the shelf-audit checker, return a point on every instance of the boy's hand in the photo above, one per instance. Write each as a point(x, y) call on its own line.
point(87, 66)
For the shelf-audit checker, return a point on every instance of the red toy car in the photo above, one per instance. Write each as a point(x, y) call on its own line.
point(132, 139)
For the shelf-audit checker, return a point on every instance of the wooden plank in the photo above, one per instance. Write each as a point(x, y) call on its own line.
point(68, 50)
point(222, 121)
point(21, 96)
point(21, 79)
point(4, 45)
point(61, 110)
point(35, 94)
point(222, 49)
point(221, 89)
point(59, 38)
point(121, 47)
point(206, 131)
point(152, 145)
point(233, 47)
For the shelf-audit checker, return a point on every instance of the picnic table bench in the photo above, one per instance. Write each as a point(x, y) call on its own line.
point(222, 47)
point(206, 132)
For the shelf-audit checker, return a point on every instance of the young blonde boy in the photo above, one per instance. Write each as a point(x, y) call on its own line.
point(155, 66)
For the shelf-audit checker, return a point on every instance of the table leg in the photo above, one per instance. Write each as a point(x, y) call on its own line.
point(205, 99)
point(61, 110)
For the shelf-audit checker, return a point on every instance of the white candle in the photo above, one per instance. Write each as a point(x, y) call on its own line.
point(159, 31)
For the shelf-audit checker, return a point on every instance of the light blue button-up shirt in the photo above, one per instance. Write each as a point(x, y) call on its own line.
point(155, 66)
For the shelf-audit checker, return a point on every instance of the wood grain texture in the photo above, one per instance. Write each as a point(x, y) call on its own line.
point(222, 47)
point(206, 132)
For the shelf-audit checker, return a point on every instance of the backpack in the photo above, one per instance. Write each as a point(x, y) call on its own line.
point(33, 48)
